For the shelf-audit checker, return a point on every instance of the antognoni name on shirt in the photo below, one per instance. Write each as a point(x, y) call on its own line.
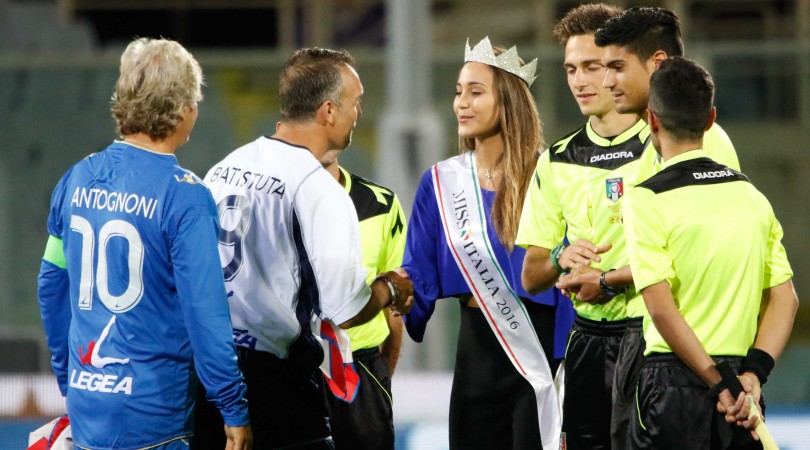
point(101, 199)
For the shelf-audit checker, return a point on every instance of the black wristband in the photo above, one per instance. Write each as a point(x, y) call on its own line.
point(758, 362)
point(603, 286)
point(392, 289)
point(715, 390)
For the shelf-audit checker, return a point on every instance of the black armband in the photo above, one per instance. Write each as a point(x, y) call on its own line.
point(758, 362)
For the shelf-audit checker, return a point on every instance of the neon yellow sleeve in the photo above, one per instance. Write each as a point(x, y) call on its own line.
point(650, 163)
point(777, 267)
point(719, 147)
point(541, 221)
point(394, 243)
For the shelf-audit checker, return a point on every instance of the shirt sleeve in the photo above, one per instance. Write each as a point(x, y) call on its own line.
point(720, 148)
point(54, 307)
point(777, 267)
point(541, 221)
point(394, 239)
point(420, 260)
point(53, 290)
point(201, 290)
point(331, 237)
point(649, 163)
point(646, 239)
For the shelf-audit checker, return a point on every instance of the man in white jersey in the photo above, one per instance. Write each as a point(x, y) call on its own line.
point(290, 252)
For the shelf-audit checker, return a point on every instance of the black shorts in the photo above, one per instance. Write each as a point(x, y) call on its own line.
point(625, 379)
point(285, 404)
point(590, 361)
point(491, 405)
point(368, 422)
point(674, 411)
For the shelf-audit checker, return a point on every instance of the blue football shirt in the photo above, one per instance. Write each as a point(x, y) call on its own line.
point(145, 292)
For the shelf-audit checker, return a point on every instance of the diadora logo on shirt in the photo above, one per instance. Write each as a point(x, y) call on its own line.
point(609, 156)
point(96, 382)
point(713, 174)
point(614, 188)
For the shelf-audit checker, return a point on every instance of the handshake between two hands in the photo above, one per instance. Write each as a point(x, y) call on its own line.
point(402, 294)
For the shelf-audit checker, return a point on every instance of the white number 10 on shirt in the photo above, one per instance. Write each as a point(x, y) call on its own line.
point(110, 230)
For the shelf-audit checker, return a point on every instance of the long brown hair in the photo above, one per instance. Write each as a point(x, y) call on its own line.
point(522, 134)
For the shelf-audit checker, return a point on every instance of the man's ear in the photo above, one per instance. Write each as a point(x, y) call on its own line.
point(712, 116)
point(326, 113)
point(657, 58)
point(185, 112)
point(652, 121)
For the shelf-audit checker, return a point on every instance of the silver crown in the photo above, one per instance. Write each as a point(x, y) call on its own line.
point(508, 60)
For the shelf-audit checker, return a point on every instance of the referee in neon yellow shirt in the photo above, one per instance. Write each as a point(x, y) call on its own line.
point(633, 44)
point(367, 422)
point(707, 256)
point(576, 196)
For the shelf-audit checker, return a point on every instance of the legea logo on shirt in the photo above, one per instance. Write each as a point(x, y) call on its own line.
point(96, 382)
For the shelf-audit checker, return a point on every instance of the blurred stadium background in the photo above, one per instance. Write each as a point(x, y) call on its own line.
point(58, 63)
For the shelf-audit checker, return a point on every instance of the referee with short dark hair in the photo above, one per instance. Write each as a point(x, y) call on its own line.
point(707, 256)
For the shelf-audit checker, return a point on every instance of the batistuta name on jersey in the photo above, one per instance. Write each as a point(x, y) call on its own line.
point(249, 180)
point(95, 198)
point(97, 382)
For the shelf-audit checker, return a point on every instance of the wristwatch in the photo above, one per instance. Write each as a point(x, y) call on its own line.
point(555, 257)
point(607, 290)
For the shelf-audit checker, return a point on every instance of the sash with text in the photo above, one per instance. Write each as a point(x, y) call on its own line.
point(463, 218)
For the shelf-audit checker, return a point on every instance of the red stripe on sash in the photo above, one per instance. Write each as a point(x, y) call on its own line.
point(469, 278)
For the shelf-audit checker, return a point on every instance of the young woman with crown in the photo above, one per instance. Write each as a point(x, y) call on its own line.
point(460, 244)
